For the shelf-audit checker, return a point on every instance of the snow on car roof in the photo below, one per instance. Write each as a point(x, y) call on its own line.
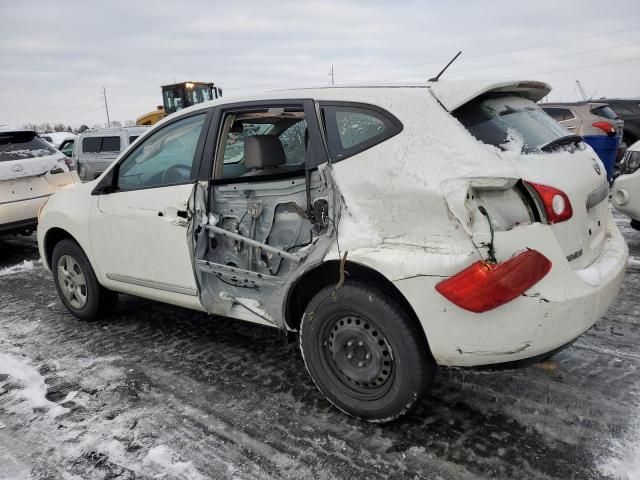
point(451, 94)
point(4, 128)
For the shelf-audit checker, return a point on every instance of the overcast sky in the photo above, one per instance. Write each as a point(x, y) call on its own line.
point(55, 56)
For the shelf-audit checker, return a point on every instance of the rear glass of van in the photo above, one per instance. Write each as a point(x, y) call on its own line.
point(100, 144)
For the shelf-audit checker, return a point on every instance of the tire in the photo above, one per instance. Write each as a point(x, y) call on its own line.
point(77, 285)
point(364, 353)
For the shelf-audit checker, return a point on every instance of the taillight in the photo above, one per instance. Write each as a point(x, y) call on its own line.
point(484, 286)
point(606, 127)
point(557, 205)
point(70, 163)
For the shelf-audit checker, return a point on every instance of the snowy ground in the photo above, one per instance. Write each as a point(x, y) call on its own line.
point(161, 392)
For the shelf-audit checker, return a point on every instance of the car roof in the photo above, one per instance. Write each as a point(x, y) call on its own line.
point(11, 129)
point(114, 130)
point(582, 103)
point(450, 93)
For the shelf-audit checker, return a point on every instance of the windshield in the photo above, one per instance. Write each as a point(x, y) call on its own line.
point(510, 123)
point(22, 145)
point(199, 94)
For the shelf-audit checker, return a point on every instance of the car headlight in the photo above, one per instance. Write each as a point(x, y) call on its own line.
point(630, 162)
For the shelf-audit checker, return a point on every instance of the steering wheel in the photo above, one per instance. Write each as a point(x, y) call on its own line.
point(176, 174)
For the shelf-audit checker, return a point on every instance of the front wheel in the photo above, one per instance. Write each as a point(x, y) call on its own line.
point(77, 284)
point(364, 353)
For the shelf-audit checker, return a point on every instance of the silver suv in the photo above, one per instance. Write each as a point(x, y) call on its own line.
point(585, 118)
point(94, 150)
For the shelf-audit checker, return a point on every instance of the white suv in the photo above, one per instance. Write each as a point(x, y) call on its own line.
point(30, 171)
point(395, 228)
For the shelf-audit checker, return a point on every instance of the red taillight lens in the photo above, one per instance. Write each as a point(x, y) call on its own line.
point(70, 163)
point(484, 286)
point(606, 127)
point(556, 204)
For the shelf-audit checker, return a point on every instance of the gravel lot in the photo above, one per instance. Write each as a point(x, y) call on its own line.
point(162, 392)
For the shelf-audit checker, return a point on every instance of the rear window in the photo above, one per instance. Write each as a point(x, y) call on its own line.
point(110, 144)
point(604, 111)
point(510, 123)
point(133, 138)
point(353, 128)
point(100, 144)
point(23, 145)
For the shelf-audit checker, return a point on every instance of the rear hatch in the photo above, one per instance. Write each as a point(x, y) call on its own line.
point(545, 153)
point(29, 167)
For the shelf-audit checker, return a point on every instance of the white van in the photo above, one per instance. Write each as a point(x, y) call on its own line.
point(94, 150)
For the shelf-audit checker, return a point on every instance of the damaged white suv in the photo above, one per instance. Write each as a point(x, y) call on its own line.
point(395, 228)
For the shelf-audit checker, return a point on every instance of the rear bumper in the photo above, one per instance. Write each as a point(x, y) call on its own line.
point(626, 195)
point(16, 217)
point(554, 312)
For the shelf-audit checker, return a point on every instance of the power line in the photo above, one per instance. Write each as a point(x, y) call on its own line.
point(439, 62)
point(634, 59)
point(547, 58)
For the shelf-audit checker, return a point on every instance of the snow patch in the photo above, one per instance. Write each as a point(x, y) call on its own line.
point(31, 390)
point(26, 266)
point(623, 461)
point(162, 461)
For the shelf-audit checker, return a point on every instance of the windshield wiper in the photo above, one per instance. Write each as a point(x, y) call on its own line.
point(566, 140)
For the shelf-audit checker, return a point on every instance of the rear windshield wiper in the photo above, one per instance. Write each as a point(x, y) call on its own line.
point(566, 140)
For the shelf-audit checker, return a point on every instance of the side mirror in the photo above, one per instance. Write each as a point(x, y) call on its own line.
point(106, 185)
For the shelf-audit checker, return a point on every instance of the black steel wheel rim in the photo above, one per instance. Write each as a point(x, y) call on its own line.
point(359, 356)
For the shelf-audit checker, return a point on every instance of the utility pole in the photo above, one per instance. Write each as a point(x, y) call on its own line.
point(106, 107)
point(331, 75)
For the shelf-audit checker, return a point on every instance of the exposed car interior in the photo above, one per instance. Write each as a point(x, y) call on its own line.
point(261, 203)
point(267, 142)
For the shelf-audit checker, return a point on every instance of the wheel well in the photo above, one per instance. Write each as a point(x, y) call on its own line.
point(328, 274)
point(51, 239)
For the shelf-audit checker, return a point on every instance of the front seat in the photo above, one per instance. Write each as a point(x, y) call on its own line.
point(263, 155)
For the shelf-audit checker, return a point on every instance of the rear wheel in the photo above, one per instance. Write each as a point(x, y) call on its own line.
point(364, 353)
point(77, 284)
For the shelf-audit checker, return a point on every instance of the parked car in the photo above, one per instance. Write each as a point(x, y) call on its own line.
point(67, 146)
point(626, 188)
point(629, 111)
point(94, 150)
point(30, 171)
point(58, 138)
point(598, 124)
point(395, 229)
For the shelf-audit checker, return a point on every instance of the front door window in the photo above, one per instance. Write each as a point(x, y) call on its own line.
point(164, 158)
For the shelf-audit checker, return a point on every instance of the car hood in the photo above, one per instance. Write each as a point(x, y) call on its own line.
point(455, 94)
